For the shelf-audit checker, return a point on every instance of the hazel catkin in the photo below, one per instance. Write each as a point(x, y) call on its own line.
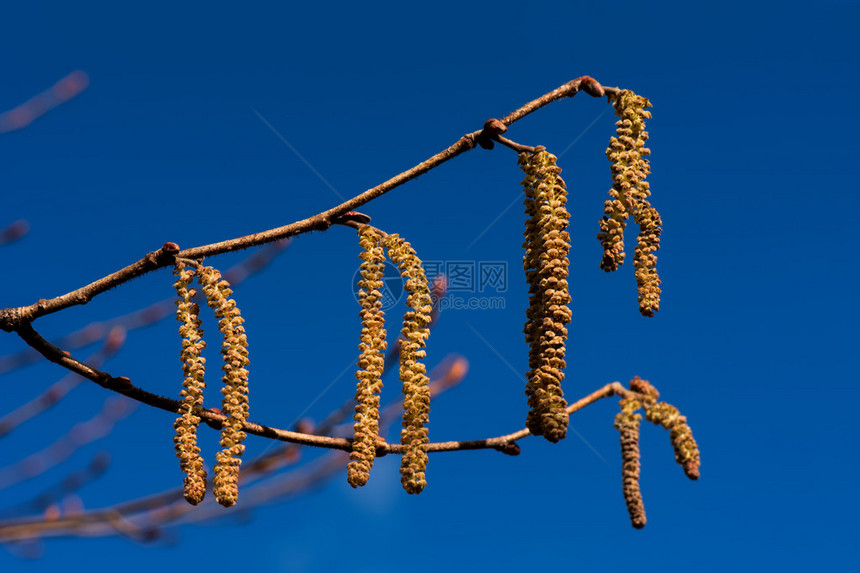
point(234, 404)
point(371, 360)
point(627, 423)
point(193, 368)
point(546, 263)
point(413, 372)
point(629, 197)
point(686, 449)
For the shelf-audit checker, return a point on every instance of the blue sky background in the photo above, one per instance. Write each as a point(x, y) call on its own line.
point(754, 171)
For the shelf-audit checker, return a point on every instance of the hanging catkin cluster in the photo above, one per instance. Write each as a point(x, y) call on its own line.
point(234, 404)
point(686, 450)
point(668, 416)
point(371, 359)
point(193, 368)
point(413, 373)
point(547, 244)
point(629, 196)
point(627, 424)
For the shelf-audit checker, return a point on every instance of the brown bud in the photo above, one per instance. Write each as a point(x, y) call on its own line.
point(591, 86)
point(494, 126)
point(170, 248)
point(354, 216)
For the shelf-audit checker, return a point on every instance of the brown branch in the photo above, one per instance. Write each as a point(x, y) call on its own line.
point(169, 506)
point(503, 443)
point(123, 385)
point(12, 319)
point(146, 316)
point(585, 83)
point(160, 508)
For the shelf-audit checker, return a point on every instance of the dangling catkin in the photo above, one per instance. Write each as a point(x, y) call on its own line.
point(686, 450)
point(413, 373)
point(627, 424)
point(193, 368)
point(371, 360)
point(547, 244)
point(234, 405)
point(629, 195)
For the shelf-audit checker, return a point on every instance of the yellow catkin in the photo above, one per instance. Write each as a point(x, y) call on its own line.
point(234, 404)
point(629, 196)
point(546, 263)
point(413, 372)
point(627, 423)
point(193, 368)
point(686, 449)
point(371, 360)
point(644, 259)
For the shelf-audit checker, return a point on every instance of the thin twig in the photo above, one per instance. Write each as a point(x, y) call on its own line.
point(12, 318)
point(519, 148)
point(500, 442)
point(14, 232)
point(58, 390)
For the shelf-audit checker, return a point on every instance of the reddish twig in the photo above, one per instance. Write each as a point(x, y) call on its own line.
point(13, 232)
point(80, 434)
point(57, 391)
point(37, 106)
point(97, 466)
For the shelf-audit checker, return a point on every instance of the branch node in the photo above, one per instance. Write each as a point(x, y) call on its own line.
point(123, 383)
point(471, 139)
point(492, 129)
point(382, 448)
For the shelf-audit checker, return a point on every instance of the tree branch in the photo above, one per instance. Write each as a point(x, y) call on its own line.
point(159, 509)
point(146, 316)
point(123, 385)
point(12, 319)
